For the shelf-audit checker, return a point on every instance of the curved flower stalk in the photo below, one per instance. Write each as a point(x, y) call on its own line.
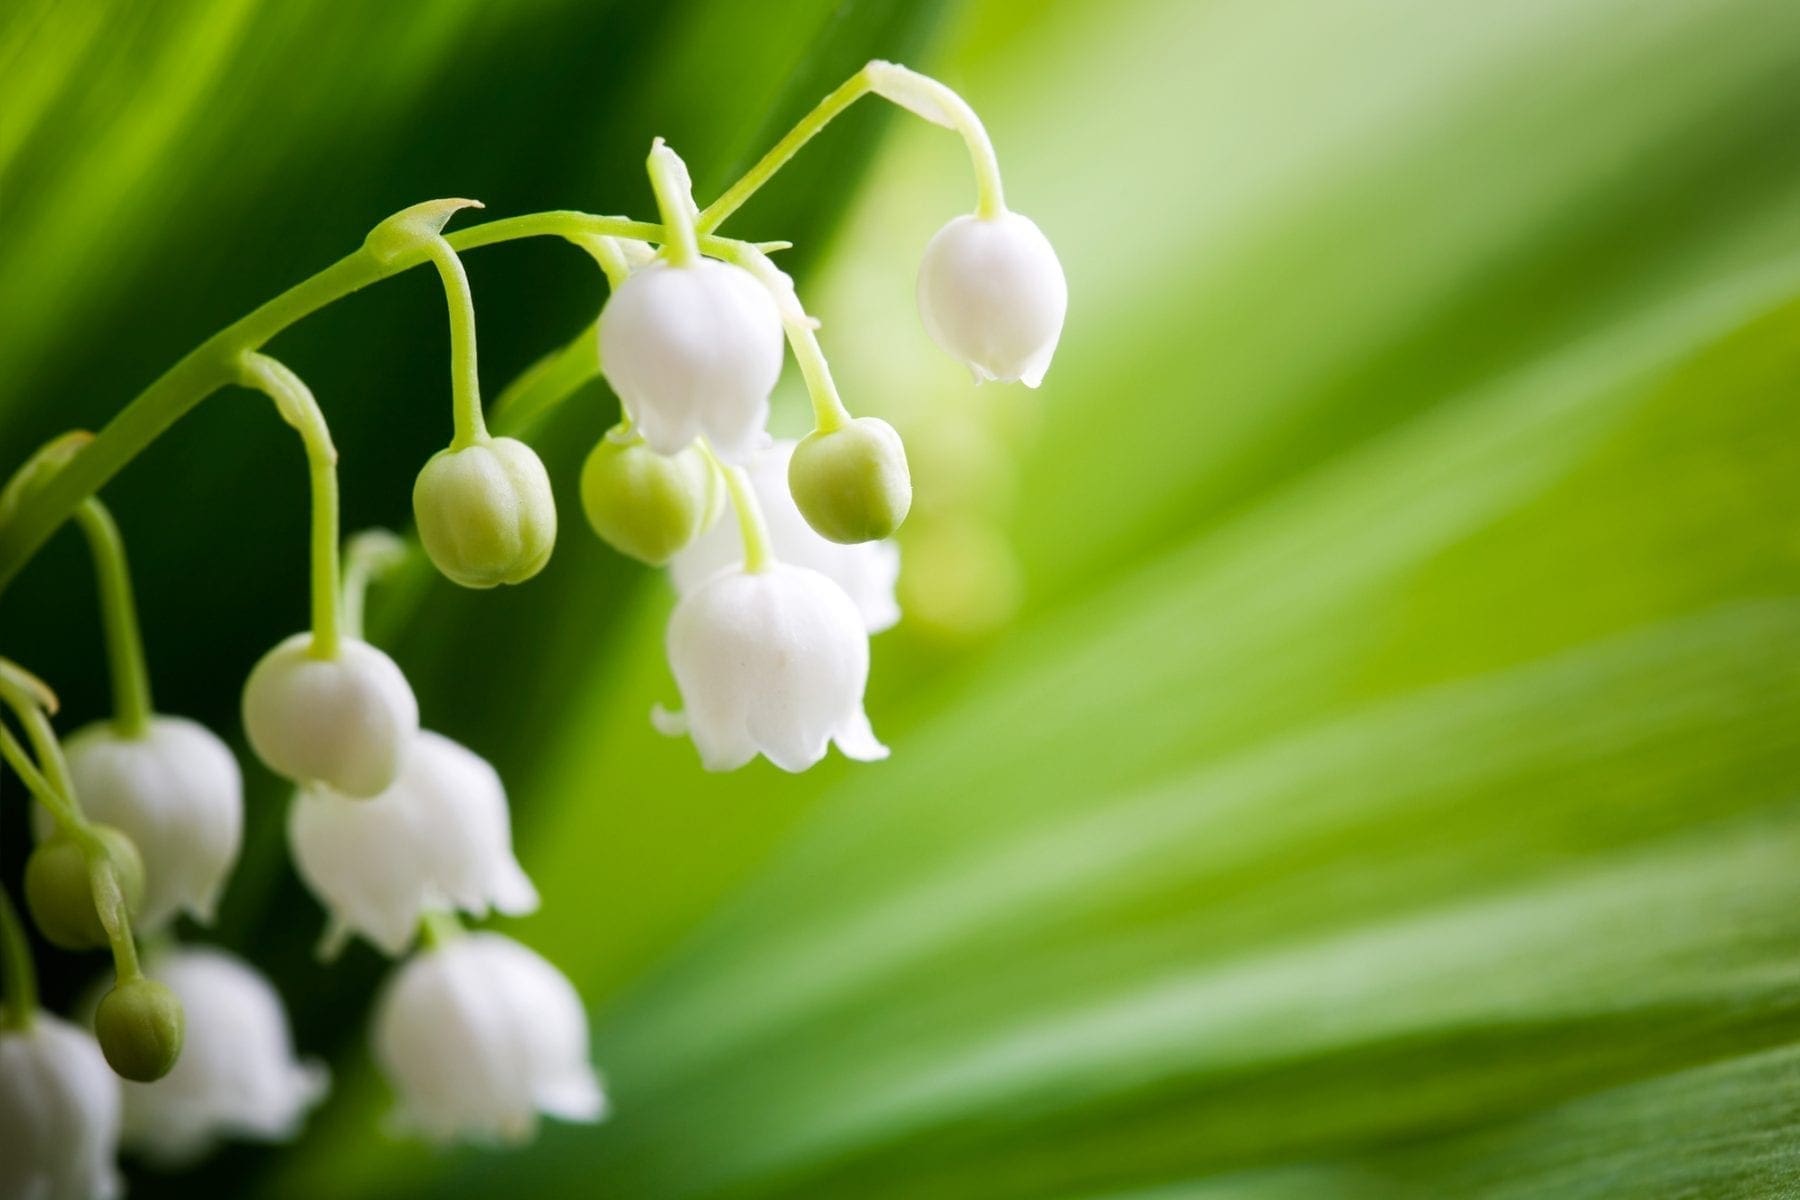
point(479, 1036)
point(867, 571)
point(437, 838)
point(237, 1077)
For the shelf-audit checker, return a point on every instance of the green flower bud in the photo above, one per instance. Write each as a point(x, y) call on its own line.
point(644, 504)
point(485, 512)
point(59, 891)
point(852, 483)
point(140, 1025)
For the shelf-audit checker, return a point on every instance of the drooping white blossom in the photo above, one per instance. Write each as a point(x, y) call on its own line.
point(177, 793)
point(345, 721)
point(59, 1114)
point(993, 296)
point(438, 838)
point(693, 351)
point(866, 572)
point(479, 1035)
point(771, 662)
point(237, 1076)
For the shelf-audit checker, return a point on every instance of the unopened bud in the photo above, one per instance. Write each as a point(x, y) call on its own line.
point(852, 483)
point(59, 887)
point(140, 1025)
point(485, 512)
point(647, 505)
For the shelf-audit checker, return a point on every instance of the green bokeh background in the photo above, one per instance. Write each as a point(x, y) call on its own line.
point(1347, 727)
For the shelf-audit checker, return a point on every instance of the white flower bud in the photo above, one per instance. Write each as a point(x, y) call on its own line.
point(478, 1036)
point(346, 722)
point(771, 662)
point(59, 1114)
point(485, 512)
point(693, 351)
point(237, 1076)
point(177, 793)
point(866, 571)
point(438, 838)
point(992, 294)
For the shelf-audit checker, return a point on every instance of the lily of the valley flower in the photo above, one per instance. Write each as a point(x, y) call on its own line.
point(771, 662)
point(176, 792)
point(59, 1114)
point(478, 1036)
point(992, 294)
point(437, 838)
point(693, 351)
point(866, 571)
point(237, 1076)
point(345, 721)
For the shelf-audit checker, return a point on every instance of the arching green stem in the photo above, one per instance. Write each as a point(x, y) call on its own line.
point(822, 114)
point(68, 819)
point(368, 556)
point(20, 993)
point(465, 378)
point(752, 529)
point(294, 400)
point(118, 616)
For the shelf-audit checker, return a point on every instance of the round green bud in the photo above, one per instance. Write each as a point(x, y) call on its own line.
point(140, 1025)
point(59, 889)
point(485, 512)
point(647, 505)
point(852, 483)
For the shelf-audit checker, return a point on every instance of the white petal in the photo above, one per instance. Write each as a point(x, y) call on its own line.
point(992, 294)
point(177, 792)
point(479, 1035)
point(59, 1113)
point(346, 722)
point(237, 1076)
point(693, 351)
point(774, 662)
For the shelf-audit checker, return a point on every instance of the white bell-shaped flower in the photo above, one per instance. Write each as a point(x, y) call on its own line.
point(177, 793)
point(993, 295)
point(59, 1113)
point(693, 351)
point(438, 838)
point(237, 1076)
point(478, 1035)
point(346, 722)
point(771, 662)
point(866, 571)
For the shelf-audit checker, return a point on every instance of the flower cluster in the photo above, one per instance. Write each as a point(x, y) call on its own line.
point(401, 833)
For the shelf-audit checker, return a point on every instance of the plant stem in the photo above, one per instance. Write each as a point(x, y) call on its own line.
point(69, 820)
point(118, 616)
point(465, 379)
point(675, 202)
point(367, 557)
point(823, 113)
point(294, 400)
point(21, 978)
point(216, 362)
point(752, 529)
point(438, 929)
